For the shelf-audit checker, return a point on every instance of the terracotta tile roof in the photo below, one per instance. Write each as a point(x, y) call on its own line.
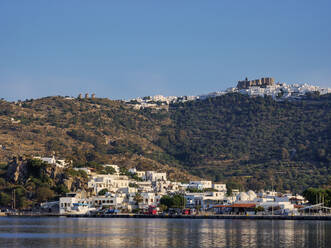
point(243, 205)
point(221, 206)
point(237, 205)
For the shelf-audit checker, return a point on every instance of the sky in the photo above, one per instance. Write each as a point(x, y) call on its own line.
point(126, 49)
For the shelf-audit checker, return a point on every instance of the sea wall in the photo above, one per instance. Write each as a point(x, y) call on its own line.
point(241, 217)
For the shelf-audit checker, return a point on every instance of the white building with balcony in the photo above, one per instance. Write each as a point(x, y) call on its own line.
point(219, 187)
point(154, 176)
point(200, 185)
point(110, 182)
point(140, 174)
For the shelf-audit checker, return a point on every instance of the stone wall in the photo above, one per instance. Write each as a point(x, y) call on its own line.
point(263, 82)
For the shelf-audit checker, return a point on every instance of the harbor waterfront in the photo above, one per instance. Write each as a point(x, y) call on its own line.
point(238, 217)
point(118, 192)
point(133, 193)
point(151, 216)
point(176, 232)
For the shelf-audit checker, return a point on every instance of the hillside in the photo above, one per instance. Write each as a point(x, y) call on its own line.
point(33, 181)
point(247, 142)
point(85, 131)
point(258, 141)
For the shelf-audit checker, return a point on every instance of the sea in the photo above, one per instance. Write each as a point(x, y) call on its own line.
point(129, 232)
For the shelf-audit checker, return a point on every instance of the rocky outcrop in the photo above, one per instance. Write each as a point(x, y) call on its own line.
point(74, 184)
point(19, 171)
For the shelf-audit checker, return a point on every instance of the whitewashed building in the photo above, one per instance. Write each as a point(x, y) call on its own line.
point(140, 174)
point(219, 187)
point(52, 160)
point(86, 170)
point(110, 182)
point(148, 199)
point(154, 176)
point(200, 184)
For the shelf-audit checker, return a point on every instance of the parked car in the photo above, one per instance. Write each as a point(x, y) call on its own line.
point(189, 211)
point(152, 210)
point(112, 211)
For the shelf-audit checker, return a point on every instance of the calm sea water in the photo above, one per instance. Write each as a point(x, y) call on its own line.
point(88, 232)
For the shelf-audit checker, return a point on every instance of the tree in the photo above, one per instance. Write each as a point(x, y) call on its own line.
point(162, 207)
point(166, 200)
point(61, 189)
point(109, 170)
point(44, 194)
point(318, 195)
point(37, 169)
point(179, 201)
point(321, 154)
point(285, 153)
point(124, 171)
point(138, 198)
point(103, 192)
point(175, 201)
point(5, 199)
point(229, 191)
point(2, 182)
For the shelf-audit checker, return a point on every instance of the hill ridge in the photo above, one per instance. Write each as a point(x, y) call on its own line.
point(230, 138)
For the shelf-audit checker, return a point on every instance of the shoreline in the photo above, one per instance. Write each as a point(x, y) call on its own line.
point(144, 216)
point(238, 217)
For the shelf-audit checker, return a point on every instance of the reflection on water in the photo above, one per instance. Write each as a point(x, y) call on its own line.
point(88, 232)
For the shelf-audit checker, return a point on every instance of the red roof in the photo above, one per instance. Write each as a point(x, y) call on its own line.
point(243, 205)
point(237, 205)
point(221, 206)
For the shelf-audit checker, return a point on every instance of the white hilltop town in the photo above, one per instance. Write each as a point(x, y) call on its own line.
point(258, 87)
point(141, 192)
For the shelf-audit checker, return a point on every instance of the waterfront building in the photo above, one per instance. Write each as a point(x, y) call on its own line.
point(128, 194)
point(148, 199)
point(109, 200)
point(74, 202)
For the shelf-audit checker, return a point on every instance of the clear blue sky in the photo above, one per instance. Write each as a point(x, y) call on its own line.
point(125, 49)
